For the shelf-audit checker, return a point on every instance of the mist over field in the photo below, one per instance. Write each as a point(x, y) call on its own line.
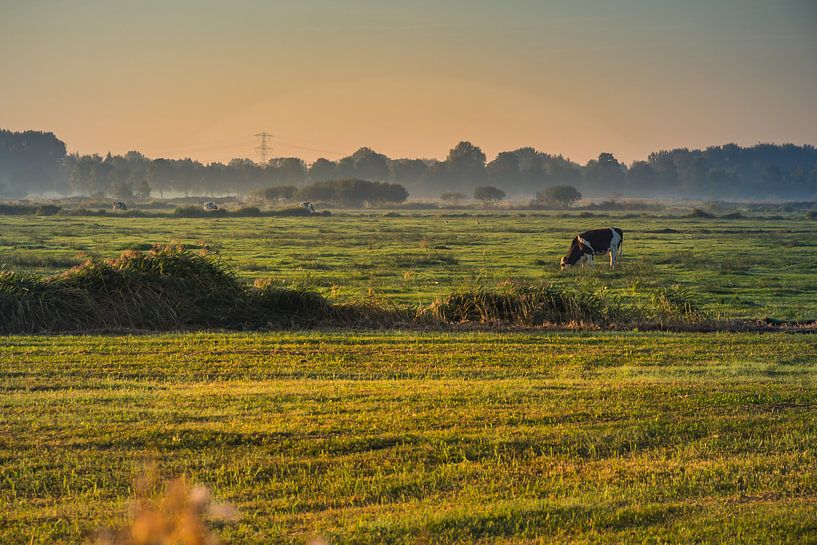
point(35, 164)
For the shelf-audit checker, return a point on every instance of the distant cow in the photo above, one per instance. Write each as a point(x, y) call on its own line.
point(592, 243)
point(210, 206)
point(119, 205)
point(308, 207)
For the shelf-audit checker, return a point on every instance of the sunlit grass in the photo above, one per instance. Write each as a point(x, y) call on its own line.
point(400, 437)
point(744, 268)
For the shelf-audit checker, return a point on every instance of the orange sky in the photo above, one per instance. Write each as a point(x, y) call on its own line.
point(409, 79)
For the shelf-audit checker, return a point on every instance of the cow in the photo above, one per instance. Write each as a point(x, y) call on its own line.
point(210, 206)
point(308, 207)
point(119, 205)
point(592, 243)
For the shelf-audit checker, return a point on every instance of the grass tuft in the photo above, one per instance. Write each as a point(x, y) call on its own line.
point(167, 287)
point(528, 305)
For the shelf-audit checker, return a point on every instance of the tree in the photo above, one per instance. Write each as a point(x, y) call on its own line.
point(489, 195)
point(505, 168)
point(465, 164)
point(122, 189)
point(605, 171)
point(353, 192)
point(322, 170)
point(143, 190)
point(275, 194)
point(285, 170)
point(370, 165)
point(559, 195)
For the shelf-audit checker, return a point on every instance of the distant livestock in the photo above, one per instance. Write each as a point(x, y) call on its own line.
point(119, 205)
point(308, 207)
point(593, 243)
point(210, 206)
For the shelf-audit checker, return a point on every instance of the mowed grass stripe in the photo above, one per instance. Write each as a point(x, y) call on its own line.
point(399, 436)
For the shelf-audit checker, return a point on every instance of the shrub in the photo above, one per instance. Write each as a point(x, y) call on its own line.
point(246, 212)
point(16, 209)
point(698, 213)
point(274, 194)
point(563, 196)
point(454, 197)
point(489, 195)
point(46, 210)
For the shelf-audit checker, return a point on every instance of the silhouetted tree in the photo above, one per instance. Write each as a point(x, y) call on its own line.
point(322, 170)
point(465, 165)
point(489, 195)
point(353, 192)
point(559, 195)
point(143, 189)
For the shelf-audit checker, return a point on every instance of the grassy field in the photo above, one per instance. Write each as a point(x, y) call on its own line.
point(419, 437)
point(744, 268)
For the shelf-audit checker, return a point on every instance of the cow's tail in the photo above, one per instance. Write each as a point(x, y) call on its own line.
point(620, 243)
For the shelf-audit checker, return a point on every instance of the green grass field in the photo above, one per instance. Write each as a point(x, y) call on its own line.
point(419, 437)
point(429, 437)
point(747, 268)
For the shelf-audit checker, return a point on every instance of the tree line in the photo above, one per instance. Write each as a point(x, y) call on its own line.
point(34, 162)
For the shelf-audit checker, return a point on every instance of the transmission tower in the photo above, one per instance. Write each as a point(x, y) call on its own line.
point(263, 148)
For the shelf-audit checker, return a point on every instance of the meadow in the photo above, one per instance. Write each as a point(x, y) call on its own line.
point(407, 437)
point(445, 435)
point(749, 268)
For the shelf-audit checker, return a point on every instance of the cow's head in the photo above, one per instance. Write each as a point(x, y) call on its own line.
point(575, 256)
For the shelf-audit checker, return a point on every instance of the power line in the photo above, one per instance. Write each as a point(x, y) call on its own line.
point(263, 148)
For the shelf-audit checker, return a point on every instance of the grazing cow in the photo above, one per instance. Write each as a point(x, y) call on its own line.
point(592, 243)
point(119, 205)
point(308, 206)
point(209, 206)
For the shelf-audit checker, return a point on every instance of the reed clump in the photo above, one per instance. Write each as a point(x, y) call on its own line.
point(164, 288)
point(529, 305)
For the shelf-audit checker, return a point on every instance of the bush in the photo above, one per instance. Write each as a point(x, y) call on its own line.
point(198, 212)
point(16, 209)
point(489, 195)
point(701, 214)
point(46, 210)
point(292, 211)
point(563, 196)
point(274, 194)
point(245, 212)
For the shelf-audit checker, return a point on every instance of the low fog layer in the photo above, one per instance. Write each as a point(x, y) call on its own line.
point(37, 163)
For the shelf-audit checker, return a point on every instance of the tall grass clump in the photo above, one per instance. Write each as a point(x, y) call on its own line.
point(529, 305)
point(675, 305)
point(293, 305)
point(167, 287)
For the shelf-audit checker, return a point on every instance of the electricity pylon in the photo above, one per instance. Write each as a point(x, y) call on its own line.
point(263, 148)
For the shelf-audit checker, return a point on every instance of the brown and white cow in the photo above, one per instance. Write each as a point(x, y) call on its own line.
point(593, 243)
